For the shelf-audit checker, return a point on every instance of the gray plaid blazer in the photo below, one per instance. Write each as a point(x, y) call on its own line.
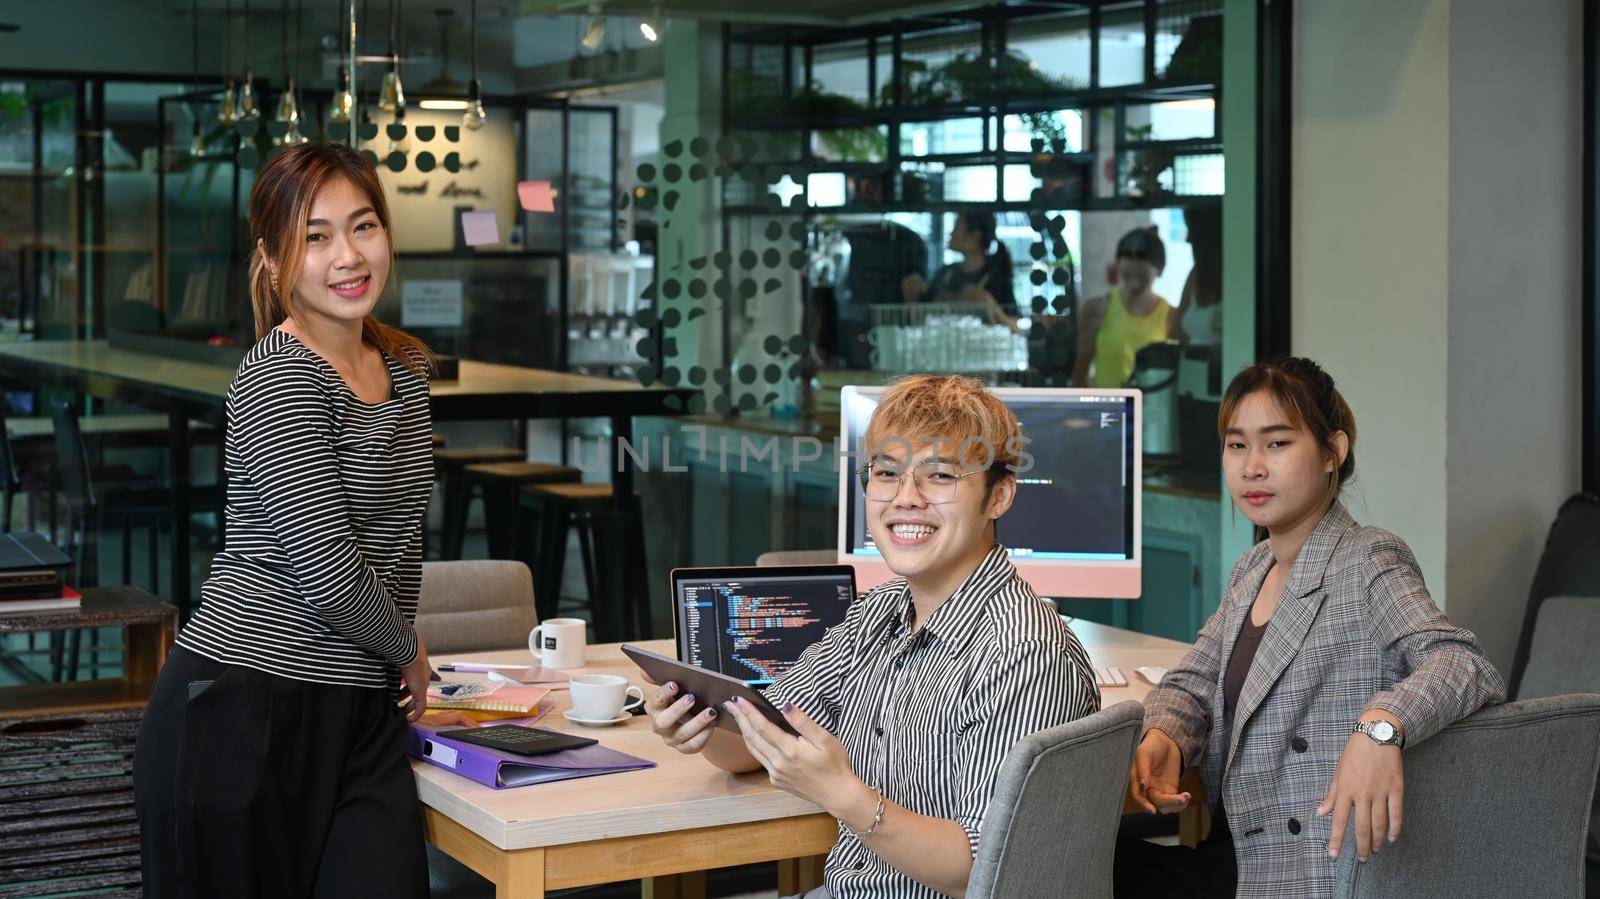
point(1354, 630)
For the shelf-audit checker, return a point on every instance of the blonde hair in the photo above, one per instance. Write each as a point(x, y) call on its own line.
point(280, 206)
point(953, 411)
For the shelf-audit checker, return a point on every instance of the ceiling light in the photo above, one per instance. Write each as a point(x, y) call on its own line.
point(392, 97)
point(652, 26)
point(595, 31)
point(475, 115)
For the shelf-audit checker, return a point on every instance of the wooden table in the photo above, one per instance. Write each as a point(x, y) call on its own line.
point(149, 629)
point(187, 390)
point(680, 817)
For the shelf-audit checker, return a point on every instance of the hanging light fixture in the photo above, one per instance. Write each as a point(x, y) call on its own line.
point(473, 118)
point(363, 99)
point(248, 109)
point(197, 145)
point(594, 30)
point(652, 26)
point(443, 92)
point(227, 108)
point(344, 100)
point(393, 97)
point(288, 109)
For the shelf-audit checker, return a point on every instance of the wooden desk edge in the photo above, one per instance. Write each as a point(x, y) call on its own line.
point(634, 857)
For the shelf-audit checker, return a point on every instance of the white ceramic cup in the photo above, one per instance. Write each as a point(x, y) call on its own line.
point(603, 697)
point(559, 642)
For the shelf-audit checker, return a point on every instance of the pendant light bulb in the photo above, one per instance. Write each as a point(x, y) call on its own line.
point(393, 97)
point(197, 144)
point(227, 108)
point(473, 118)
point(248, 109)
point(288, 109)
point(344, 102)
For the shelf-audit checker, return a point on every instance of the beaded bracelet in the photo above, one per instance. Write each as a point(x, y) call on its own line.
point(877, 819)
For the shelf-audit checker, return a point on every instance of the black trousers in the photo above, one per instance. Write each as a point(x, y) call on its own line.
point(1151, 871)
point(256, 785)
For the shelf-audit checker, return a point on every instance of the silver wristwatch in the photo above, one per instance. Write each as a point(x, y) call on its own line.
point(1382, 732)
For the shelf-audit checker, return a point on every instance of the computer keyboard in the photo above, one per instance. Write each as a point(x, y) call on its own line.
point(1109, 676)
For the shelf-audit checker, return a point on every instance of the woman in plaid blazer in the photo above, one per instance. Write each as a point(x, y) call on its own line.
point(1325, 656)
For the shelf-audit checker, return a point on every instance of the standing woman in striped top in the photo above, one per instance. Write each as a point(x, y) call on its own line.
point(271, 757)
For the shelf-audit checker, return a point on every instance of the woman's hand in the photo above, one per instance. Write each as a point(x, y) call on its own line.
point(1370, 784)
point(1153, 779)
point(417, 675)
point(449, 718)
point(666, 710)
point(912, 287)
point(813, 766)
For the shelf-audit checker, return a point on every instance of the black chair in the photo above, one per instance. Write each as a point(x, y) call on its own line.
point(610, 543)
point(1555, 651)
point(95, 498)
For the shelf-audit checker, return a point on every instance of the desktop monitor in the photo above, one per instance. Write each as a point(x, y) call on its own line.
point(1074, 529)
point(753, 623)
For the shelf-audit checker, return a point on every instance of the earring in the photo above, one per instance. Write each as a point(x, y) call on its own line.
point(274, 280)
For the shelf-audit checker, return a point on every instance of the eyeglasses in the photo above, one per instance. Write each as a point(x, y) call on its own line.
point(936, 482)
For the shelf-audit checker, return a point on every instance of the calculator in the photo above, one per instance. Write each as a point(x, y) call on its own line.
point(518, 739)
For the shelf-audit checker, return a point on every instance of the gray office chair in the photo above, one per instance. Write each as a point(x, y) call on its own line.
point(798, 557)
point(1496, 804)
point(1052, 822)
point(1555, 651)
point(475, 606)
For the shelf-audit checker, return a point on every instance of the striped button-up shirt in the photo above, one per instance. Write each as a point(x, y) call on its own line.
point(928, 713)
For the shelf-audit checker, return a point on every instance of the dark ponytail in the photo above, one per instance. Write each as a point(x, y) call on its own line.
point(997, 265)
point(1307, 394)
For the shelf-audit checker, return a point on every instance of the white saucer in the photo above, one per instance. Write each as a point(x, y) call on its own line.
point(572, 715)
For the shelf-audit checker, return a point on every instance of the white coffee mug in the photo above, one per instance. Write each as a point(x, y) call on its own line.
point(603, 697)
point(558, 642)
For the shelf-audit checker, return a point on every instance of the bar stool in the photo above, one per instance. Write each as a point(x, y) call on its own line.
point(449, 468)
point(606, 540)
point(500, 484)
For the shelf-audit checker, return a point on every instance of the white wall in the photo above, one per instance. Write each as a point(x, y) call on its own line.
point(1436, 260)
point(1516, 77)
point(1368, 253)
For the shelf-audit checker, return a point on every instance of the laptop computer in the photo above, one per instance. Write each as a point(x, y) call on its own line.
point(752, 623)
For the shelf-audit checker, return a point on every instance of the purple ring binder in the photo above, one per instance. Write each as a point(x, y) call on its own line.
point(501, 770)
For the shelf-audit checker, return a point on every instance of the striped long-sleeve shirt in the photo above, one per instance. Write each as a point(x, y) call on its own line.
point(927, 716)
point(323, 563)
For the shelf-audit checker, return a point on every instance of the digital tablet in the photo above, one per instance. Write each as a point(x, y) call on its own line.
point(709, 688)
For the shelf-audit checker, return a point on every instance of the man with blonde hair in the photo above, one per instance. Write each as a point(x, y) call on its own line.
point(906, 710)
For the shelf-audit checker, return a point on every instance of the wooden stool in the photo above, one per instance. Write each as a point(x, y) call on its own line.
point(608, 541)
point(500, 483)
point(449, 468)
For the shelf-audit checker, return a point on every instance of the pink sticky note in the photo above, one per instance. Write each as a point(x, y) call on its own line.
point(536, 196)
point(480, 227)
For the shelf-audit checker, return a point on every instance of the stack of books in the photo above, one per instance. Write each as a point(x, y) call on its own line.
point(31, 571)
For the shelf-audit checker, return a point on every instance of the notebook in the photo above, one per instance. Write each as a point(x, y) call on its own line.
point(67, 599)
point(521, 700)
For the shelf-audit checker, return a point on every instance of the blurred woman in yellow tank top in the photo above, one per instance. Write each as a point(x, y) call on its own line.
point(1132, 315)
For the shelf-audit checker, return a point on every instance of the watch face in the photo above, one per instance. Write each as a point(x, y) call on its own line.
point(1383, 730)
